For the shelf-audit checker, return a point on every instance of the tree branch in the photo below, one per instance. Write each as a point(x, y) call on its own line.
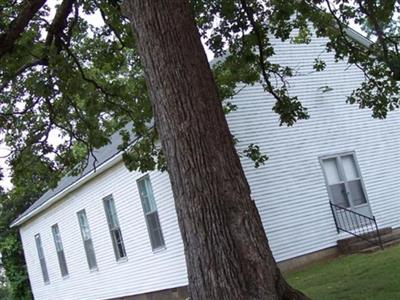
point(344, 36)
point(259, 35)
point(72, 24)
point(59, 23)
point(113, 29)
point(18, 25)
point(22, 69)
point(368, 10)
point(83, 75)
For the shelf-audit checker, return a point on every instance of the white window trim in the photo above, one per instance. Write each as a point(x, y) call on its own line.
point(38, 236)
point(113, 242)
point(162, 247)
point(64, 276)
point(340, 169)
point(91, 269)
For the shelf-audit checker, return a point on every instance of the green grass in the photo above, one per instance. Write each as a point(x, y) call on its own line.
point(373, 276)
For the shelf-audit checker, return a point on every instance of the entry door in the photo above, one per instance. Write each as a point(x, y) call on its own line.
point(345, 184)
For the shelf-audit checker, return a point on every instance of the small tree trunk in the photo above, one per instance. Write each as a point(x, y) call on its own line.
point(227, 252)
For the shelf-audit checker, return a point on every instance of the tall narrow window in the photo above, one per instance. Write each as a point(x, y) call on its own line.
point(345, 183)
point(42, 260)
point(113, 225)
point(150, 212)
point(60, 250)
point(87, 239)
point(336, 183)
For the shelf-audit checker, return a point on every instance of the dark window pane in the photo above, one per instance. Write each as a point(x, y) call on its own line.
point(42, 260)
point(90, 255)
point(63, 263)
point(118, 243)
point(152, 220)
point(339, 195)
point(44, 270)
point(157, 239)
point(154, 228)
point(357, 192)
point(150, 212)
point(60, 250)
point(87, 240)
point(113, 224)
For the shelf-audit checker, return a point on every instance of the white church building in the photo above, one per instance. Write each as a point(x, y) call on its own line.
point(113, 234)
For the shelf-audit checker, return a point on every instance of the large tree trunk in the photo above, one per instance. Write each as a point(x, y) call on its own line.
point(227, 252)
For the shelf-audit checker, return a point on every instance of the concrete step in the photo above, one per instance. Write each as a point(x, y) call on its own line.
point(362, 244)
point(344, 243)
point(376, 248)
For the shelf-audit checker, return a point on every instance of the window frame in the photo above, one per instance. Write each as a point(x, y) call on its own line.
point(146, 214)
point(62, 261)
point(87, 241)
point(343, 177)
point(114, 228)
point(42, 259)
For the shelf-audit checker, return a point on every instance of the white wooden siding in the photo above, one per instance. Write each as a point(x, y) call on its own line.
point(143, 271)
point(289, 190)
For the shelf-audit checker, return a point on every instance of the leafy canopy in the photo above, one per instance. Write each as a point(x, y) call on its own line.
point(31, 177)
point(61, 73)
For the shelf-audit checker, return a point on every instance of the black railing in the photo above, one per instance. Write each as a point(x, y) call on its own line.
point(356, 224)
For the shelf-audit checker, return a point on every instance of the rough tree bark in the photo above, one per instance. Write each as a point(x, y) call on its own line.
point(227, 252)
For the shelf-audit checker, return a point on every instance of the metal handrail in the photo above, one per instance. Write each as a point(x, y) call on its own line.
point(356, 224)
point(351, 211)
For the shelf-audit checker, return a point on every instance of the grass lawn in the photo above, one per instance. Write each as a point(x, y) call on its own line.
point(373, 276)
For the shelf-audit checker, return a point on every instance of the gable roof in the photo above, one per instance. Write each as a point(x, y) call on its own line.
point(105, 157)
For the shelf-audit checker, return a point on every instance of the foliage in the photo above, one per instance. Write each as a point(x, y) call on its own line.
point(31, 176)
point(379, 61)
point(4, 284)
point(82, 80)
point(5, 293)
point(352, 277)
point(68, 76)
point(67, 83)
point(253, 152)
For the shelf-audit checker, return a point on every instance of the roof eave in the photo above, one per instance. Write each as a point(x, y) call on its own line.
point(358, 37)
point(93, 173)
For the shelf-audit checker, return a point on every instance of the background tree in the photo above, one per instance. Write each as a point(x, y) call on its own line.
point(60, 73)
point(31, 177)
